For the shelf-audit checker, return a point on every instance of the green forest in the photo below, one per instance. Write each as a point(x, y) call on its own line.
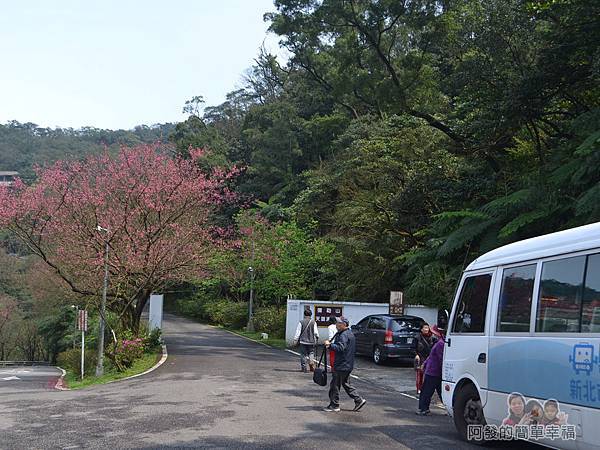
point(412, 137)
point(397, 142)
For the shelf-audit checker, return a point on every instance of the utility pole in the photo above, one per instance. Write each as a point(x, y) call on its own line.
point(100, 363)
point(250, 327)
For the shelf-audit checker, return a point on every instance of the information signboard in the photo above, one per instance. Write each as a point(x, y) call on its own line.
point(396, 303)
point(323, 313)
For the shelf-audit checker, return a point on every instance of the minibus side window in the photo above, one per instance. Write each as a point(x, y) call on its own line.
point(559, 303)
point(590, 317)
point(514, 312)
point(472, 306)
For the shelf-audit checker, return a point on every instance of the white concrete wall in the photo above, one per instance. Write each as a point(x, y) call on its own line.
point(429, 315)
point(354, 311)
point(156, 311)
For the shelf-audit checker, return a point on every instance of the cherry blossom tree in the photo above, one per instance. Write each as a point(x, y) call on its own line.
point(158, 210)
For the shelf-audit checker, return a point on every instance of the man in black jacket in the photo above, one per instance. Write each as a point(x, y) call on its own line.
point(344, 346)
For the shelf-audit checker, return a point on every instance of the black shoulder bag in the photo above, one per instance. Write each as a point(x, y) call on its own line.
point(320, 374)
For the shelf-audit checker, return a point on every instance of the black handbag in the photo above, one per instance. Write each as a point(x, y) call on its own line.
point(320, 374)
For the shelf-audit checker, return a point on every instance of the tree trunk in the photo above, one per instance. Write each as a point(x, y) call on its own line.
point(140, 303)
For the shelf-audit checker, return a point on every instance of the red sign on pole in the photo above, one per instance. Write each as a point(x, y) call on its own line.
point(82, 320)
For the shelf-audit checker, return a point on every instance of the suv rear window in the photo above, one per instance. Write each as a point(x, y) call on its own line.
point(405, 324)
point(377, 323)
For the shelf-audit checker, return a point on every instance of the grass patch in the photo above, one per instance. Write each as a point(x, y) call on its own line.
point(273, 342)
point(141, 365)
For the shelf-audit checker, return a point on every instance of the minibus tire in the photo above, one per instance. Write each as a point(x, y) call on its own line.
point(466, 393)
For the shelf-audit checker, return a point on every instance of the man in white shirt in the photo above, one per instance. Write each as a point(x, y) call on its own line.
point(307, 336)
point(332, 328)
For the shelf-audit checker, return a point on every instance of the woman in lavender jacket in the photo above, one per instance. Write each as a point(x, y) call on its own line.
point(433, 374)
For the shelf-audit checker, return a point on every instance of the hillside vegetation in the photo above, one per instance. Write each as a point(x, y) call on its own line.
point(399, 141)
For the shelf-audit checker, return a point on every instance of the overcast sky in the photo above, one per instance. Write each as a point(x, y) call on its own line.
point(116, 64)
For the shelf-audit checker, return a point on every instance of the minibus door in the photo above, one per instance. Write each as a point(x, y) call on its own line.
point(466, 351)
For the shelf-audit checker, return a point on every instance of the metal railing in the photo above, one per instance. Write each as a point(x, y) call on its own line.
point(23, 363)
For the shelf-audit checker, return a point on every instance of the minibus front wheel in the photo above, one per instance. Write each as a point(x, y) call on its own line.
point(468, 410)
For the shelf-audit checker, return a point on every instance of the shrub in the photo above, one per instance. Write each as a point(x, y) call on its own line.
point(224, 312)
point(270, 320)
point(152, 341)
point(70, 360)
point(124, 353)
point(190, 307)
point(227, 313)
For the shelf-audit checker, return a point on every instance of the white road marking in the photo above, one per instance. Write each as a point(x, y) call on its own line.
point(11, 378)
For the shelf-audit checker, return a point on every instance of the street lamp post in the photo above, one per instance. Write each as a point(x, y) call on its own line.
point(250, 326)
point(100, 362)
point(76, 308)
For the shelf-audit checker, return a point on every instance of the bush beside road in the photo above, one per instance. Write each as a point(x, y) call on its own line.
point(147, 361)
point(124, 358)
point(233, 316)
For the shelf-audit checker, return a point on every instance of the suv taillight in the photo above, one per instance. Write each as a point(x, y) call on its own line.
point(388, 337)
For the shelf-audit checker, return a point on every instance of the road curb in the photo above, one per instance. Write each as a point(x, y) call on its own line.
point(162, 360)
point(60, 385)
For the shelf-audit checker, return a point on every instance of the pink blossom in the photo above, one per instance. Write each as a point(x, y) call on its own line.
point(158, 210)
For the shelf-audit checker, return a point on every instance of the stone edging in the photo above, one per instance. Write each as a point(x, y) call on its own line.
point(61, 386)
point(60, 383)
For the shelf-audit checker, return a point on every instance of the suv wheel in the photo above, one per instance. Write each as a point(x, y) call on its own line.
point(378, 357)
point(468, 410)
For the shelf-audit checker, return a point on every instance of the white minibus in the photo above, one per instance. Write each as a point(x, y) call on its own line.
point(521, 358)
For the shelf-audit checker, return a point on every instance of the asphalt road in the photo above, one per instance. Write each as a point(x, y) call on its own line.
point(217, 390)
point(394, 374)
point(27, 378)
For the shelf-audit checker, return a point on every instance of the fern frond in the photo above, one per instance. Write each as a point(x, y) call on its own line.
point(521, 221)
point(463, 214)
point(565, 173)
point(446, 222)
point(589, 201)
point(464, 235)
point(511, 202)
point(590, 145)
